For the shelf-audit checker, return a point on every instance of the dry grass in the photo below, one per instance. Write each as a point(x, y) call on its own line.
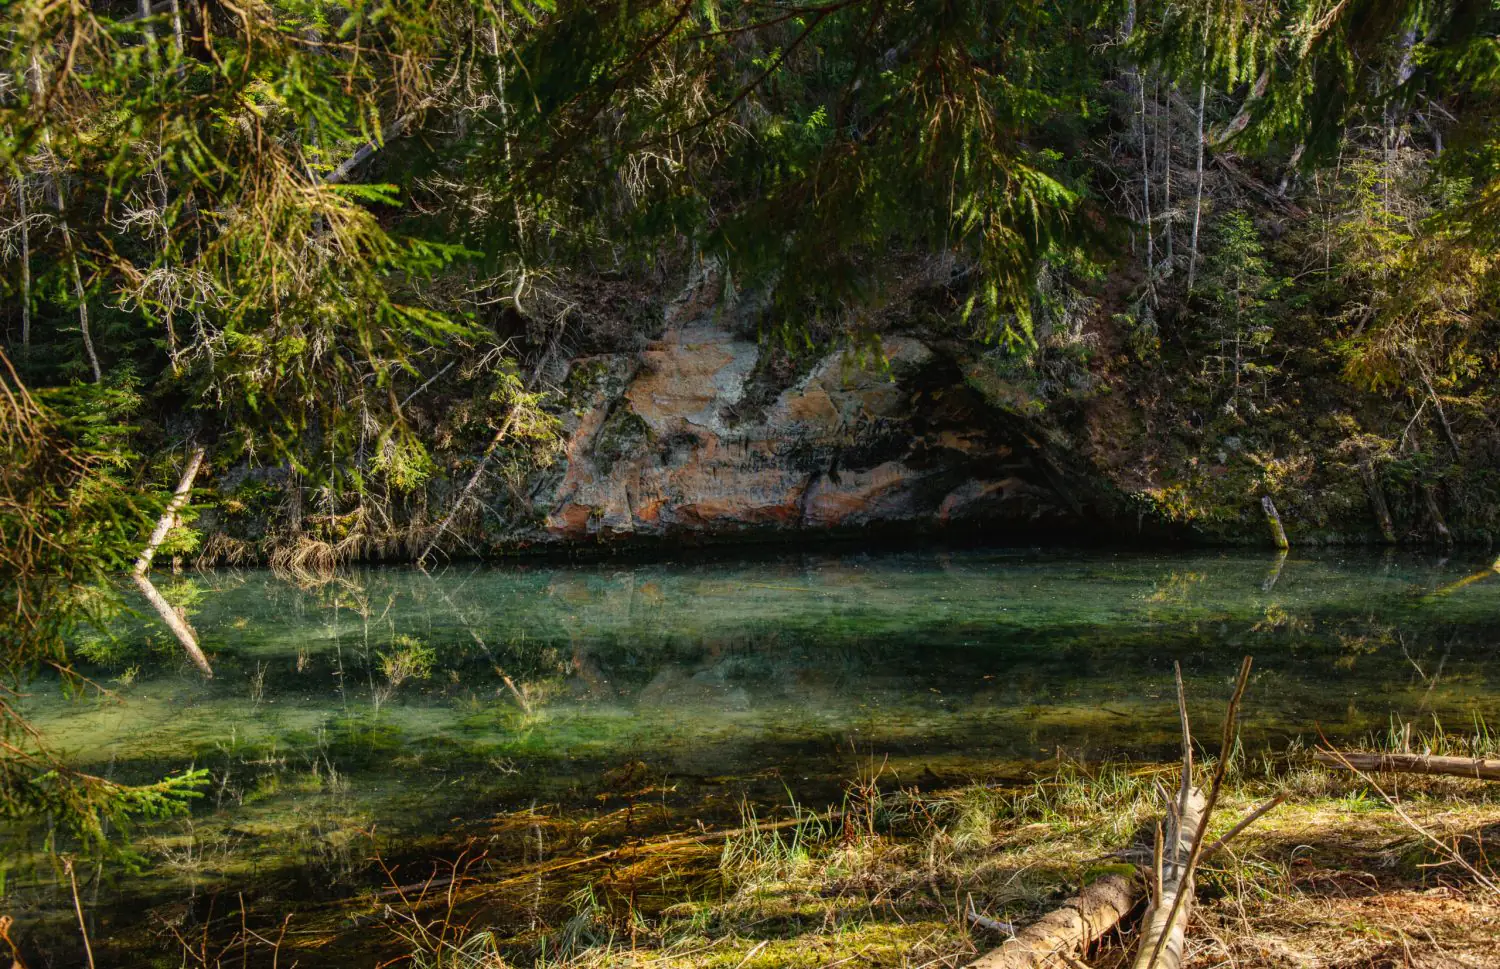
point(1335, 877)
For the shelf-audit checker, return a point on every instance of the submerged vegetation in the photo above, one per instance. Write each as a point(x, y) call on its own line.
point(1340, 873)
point(684, 752)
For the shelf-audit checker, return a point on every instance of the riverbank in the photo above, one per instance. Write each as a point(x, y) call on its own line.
point(1347, 872)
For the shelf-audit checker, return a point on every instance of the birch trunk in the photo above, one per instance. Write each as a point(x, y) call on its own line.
point(173, 619)
point(1198, 192)
point(169, 515)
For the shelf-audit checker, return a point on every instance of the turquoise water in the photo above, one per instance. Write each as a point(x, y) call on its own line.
point(399, 715)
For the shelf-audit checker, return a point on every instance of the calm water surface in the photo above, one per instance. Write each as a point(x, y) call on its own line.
point(395, 714)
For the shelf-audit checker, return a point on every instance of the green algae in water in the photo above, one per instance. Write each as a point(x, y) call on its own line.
point(400, 712)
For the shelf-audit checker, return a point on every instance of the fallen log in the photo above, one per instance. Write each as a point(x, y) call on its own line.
point(1164, 930)
point(1051, 940)
point(1474, 767)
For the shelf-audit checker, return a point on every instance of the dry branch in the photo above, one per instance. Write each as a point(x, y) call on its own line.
point(1165, 934)
point(1475, 767)
point(1248, 820)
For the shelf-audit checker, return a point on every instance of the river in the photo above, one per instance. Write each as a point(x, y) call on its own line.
point(376, 729)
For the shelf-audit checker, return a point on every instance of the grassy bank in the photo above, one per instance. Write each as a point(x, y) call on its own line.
point(1349, 871)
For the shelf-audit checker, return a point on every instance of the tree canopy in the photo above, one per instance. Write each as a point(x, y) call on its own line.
point(270, 224)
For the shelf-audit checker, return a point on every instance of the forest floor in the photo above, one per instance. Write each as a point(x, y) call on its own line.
point(1347, 872)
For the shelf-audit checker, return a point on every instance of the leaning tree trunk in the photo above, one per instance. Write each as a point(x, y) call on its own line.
point(141, 574)
point(1273, 521)
point(1440, 526)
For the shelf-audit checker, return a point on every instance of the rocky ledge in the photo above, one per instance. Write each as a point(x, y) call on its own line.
point(690, 436)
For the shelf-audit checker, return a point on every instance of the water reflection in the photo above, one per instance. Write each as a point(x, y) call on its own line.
point(421, 706)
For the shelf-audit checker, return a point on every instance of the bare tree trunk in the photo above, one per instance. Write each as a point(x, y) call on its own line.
point(169, 515)
point(1164, 146)
point(1198, 200)
point(177, 44)
point(1241, 119)
point(20, 183)
point(62, 218)
point(174, 620)
point(1437, 405)
point(346, 168)
point(147, 33)
point(1440, 526)
point(1278, 534)
point(81, 292)
point(1393, 114)
point(1291, 169)
point(1377, 498)
point(1146, 188)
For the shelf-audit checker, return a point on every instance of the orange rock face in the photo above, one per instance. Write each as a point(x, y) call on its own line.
point(684, 437)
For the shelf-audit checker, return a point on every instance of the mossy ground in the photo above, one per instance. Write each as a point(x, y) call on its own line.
point(1347, 872)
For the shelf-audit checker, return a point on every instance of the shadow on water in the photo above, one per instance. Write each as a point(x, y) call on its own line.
point(511, 720)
